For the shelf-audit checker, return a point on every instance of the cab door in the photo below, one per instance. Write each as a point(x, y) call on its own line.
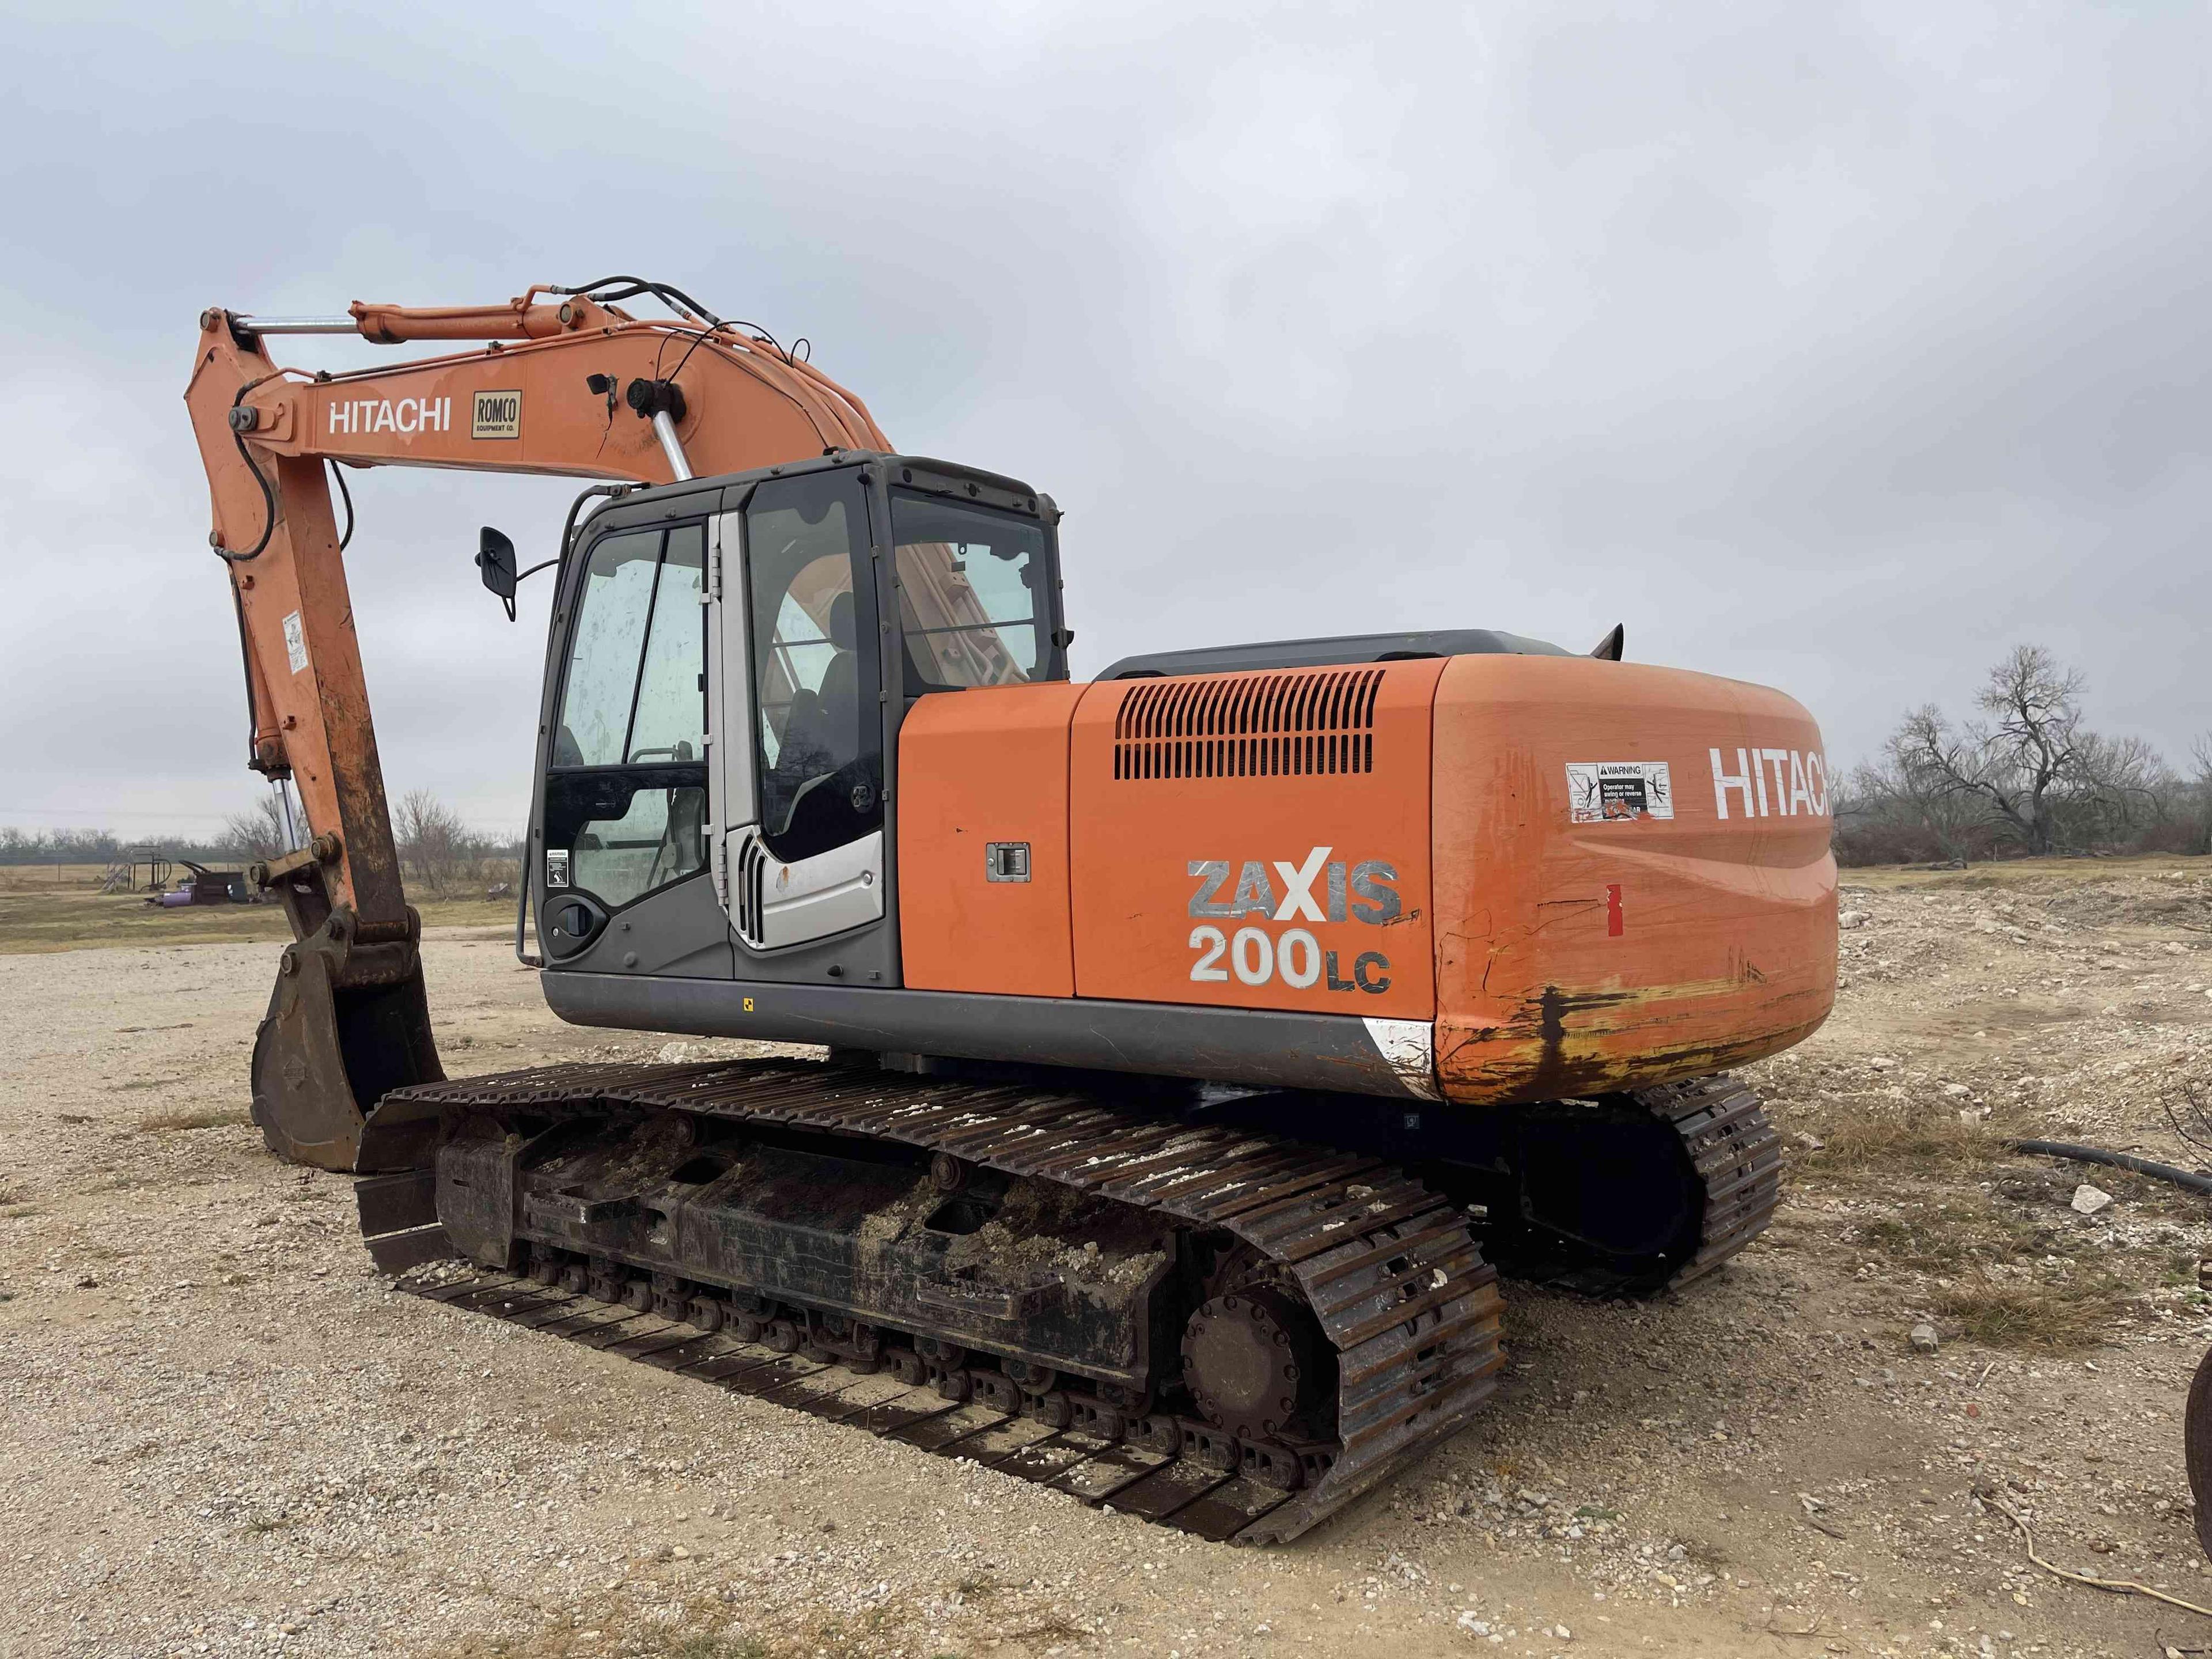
point(625, 831)
point(802, 773)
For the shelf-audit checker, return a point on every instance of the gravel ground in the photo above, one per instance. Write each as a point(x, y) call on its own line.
point(226, 1436)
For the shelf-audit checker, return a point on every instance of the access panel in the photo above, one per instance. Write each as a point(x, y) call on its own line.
point(1256, 840)
point(982, 828)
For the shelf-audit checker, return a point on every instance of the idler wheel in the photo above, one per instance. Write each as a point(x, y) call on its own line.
point(1252, 1357)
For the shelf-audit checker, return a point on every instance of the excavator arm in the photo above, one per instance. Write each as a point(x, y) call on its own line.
point(565, 383)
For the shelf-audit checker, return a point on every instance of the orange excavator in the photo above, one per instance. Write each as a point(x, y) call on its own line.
point(1198, 1040)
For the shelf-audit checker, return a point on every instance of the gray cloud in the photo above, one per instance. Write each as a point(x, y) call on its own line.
point(1831, 350)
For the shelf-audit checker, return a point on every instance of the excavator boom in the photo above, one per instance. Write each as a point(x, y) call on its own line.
point(584, 389)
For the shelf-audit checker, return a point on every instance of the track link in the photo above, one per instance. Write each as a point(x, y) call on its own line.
point(1737, 1155)
point(1408, 1307)
point(1609, 1208)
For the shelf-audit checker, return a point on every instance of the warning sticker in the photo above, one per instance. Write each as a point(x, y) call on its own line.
point(1601, 792)
point(296, 643)
point(556, 867)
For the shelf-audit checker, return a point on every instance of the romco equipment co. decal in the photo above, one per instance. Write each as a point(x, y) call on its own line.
point(496, 414)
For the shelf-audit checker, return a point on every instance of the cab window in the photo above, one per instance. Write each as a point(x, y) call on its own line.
point(818, 722)
point(969, 602)
point(626, 790)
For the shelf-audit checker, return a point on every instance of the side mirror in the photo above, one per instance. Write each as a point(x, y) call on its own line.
point(495, 562)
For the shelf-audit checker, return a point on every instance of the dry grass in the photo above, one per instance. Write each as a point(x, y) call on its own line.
point(49, 878)
point(1868, 1141)
point(704, 1630)
point(611, 1637)
point(2042, 1318)
point(1953, 1216)
point(1056, 1628)
point(210, 1117)
point(2006, 873)
point(81, 918)
point(1954, 1236)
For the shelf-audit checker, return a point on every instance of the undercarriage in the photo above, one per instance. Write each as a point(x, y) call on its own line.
point(1175, 1312)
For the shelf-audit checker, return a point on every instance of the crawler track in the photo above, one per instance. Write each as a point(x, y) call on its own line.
point(1408, 1309)
point(1188, 1493)
point(1634, 1194)
point(1736, 1154)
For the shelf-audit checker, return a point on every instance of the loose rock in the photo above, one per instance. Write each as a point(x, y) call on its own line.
point(2088, 1200)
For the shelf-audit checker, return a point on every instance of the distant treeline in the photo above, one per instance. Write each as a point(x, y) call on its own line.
point(100, 847)
point(438, 850)
point(2025, 777)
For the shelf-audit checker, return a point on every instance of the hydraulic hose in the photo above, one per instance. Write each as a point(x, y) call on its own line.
point(268, 495)
point(2189, 1178)
point(346, 495)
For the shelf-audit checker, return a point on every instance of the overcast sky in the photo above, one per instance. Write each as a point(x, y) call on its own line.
point(1834, 348)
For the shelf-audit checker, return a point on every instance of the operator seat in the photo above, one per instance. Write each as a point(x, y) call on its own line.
point(841, 684)
point(822, 733)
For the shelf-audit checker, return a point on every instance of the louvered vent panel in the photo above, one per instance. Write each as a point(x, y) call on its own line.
point(752, 870)
point(1239, 726)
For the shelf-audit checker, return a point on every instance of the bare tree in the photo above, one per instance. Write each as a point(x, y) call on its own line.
point(2115, 788)
point(260, 833)
point(2013, 766)
point(1892, 810)
point(434, 845)
point(2029, 749)
point(2199, 797)
point(2029, 772)
point(1925, 760)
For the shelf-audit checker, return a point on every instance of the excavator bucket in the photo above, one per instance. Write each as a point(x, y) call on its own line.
point(348, 1023)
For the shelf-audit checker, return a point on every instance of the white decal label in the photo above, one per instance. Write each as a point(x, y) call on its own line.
point(363, 417)
point(296, 643)
point(1799, 779)
point(556, 867)
point(1608, 792)
point(497, 415)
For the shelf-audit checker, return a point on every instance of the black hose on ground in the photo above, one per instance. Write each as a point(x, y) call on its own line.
point(2189, 1178)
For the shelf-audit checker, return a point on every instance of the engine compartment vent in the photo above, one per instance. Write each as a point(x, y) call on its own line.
point(1257, 725)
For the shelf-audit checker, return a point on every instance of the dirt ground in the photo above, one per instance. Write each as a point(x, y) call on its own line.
point(226, 1434)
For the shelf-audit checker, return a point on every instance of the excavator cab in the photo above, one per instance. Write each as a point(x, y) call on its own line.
point(729, 665)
